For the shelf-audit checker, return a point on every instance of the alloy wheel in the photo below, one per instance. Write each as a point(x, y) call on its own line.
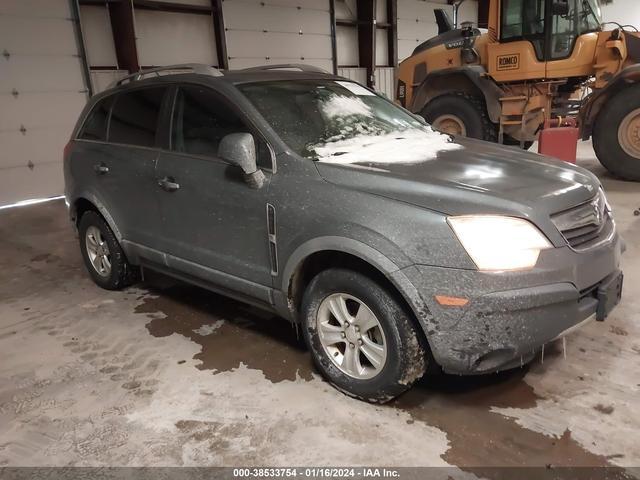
point(351, 336)
point(98, 251)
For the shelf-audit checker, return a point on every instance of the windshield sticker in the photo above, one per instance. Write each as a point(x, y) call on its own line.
point(356, 89)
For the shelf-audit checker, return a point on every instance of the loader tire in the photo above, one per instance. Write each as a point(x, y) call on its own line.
point(616, 134)
point(461, 114)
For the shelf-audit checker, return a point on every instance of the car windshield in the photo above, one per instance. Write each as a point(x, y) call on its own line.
point(342, 122)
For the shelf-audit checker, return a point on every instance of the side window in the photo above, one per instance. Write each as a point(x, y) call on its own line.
point(134, 117)
point(524, 20)
point(95, 126)
point(201, 119)
point(564, 32)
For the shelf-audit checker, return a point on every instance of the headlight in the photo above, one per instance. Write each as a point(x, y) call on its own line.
point(497, 243)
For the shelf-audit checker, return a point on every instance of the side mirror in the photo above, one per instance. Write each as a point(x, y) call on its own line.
point(560, 8)
point(239, 149)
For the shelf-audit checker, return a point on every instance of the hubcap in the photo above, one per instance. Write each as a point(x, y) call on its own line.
point(451, 124)
point(98, 251)
point(629, 134)
point(351, 336)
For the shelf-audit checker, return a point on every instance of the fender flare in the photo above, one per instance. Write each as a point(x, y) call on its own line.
point(476, 74)
point(592, 107)
point(96, 202)
point(392, 271)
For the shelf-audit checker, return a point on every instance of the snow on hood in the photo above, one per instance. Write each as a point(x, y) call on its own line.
point(409, 146)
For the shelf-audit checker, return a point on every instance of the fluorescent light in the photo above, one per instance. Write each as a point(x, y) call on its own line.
point(32, 201)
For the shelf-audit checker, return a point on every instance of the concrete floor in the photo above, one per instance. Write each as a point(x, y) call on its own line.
point(168, 374)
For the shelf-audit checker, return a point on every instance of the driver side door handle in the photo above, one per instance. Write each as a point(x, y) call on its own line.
point(168, 184)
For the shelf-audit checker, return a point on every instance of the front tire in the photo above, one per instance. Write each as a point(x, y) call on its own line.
point(461, 114)
point(616, 134)
point(361, 338)
point(103, 257)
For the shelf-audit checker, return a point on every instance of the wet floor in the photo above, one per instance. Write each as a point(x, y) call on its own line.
point(230, 333)
point(169, 374)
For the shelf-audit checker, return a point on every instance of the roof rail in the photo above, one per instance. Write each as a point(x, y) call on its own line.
point(287, 66)
point(199, 68)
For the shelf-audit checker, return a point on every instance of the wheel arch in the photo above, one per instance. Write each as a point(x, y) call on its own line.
point(471, 80)
point(590, 111)
point(323, 253)
point(88, 202)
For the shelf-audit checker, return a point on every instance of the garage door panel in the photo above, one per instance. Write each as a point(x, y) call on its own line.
point(406, 47)
point(39, 146)
point(14, 36)
point(24, 183)
point(35, 110)
point(33, 8)
point(242, 16)
point(306, 4)
point(239, 63)
point(286, 45)
point(417, 30)
point(165, 38)
point(42, 92)
point(39, 74)
point(412, 9)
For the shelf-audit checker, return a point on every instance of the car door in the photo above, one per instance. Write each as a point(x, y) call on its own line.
point(214, 224)
point(122, 168)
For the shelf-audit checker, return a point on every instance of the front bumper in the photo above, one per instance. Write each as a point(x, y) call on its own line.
point(510, 315)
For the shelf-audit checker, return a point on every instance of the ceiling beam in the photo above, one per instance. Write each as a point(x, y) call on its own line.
point(124, 35)
point(171, 7)
point(392, 32)
point(367, 38)
point(220, 34)
point(334, 40)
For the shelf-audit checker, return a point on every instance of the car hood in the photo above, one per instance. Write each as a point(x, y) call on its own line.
point(478, 177)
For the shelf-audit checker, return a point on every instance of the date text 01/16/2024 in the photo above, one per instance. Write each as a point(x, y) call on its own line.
point(315, 472)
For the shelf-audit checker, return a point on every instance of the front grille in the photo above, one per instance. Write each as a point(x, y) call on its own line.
point(587, 224)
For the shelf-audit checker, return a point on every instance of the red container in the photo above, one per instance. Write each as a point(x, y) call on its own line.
point(559, 142)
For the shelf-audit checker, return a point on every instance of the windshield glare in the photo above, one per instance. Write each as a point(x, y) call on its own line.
point(343, 122)
point(593, 14)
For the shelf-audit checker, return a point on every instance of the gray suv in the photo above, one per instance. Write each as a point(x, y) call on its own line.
point(394, 247)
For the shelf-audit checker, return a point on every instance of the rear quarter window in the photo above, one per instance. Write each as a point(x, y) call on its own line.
point(95, 125)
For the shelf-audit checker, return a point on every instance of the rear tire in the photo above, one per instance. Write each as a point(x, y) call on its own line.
point(103, 257)
point(469, 110)
point(372, 319)
point(616, 134)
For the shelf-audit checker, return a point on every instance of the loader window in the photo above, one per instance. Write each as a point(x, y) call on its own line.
point(583, 17)
point(524, 20)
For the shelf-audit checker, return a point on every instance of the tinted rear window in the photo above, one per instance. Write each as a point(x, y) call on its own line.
point(134, 117)
point(95, 126)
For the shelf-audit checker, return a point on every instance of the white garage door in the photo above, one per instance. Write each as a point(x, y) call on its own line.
point(167, 38)
point(278, 31)
point(41, 94)
point(417, 22)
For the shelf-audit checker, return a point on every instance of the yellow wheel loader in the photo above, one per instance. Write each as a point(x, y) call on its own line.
point(539, 61)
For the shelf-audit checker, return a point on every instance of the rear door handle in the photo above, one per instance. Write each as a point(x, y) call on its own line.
point(168, 184)
point(101, 168)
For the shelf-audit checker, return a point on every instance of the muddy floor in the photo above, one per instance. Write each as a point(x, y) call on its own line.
point(168, 374)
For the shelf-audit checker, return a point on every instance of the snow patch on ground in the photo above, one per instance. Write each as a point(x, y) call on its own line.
point(205, 330)
point(410, 146)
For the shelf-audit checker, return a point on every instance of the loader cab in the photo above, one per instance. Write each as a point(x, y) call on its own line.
point(543, 38)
